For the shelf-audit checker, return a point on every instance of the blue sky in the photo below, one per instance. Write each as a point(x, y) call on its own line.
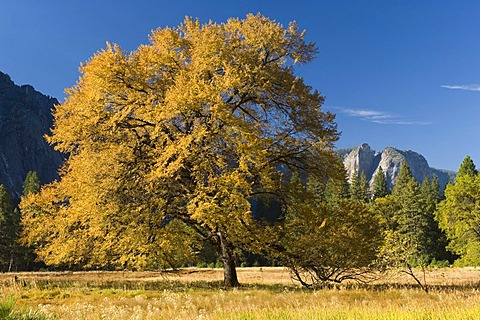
point(397, 73)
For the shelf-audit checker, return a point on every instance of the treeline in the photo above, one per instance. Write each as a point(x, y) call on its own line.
point(352, 230)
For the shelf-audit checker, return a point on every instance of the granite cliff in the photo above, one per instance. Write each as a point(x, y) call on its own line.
point(364, 158)
point(25, 117)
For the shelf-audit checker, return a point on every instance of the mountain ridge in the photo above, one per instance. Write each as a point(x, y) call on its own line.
point(364, 158)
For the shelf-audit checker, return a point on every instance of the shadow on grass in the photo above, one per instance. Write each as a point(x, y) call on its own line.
point(135, 285)
point(182, 286)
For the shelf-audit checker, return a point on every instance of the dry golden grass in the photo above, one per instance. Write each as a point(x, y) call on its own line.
point(268, 293)
point(265, 275)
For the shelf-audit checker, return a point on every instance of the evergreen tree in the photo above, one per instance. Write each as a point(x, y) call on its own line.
point(437, 240)
point(380, 187)
point(359, 189)
point(410, 218)
point(467, 167)
point(31, 183)
point(404, 178)
point(458, 214)
point(337, 187)
point(431, 193)
point(355, 189)
point(25, 254)
point(407, 240)
point(335, 190)
point(9, 224)
point(365, 187)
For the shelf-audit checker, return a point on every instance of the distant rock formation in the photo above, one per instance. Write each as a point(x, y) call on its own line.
point(25, 117)
point(363, 158)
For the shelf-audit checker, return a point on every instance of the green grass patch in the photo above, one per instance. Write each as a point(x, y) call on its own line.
point(9, 312)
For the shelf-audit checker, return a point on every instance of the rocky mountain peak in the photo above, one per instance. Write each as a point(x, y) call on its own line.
point(364, 158)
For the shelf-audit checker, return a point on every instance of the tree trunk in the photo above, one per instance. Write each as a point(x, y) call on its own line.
point(225, 250)
point(11, 264)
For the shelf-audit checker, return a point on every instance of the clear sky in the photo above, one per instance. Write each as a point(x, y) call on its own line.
point(397, 73)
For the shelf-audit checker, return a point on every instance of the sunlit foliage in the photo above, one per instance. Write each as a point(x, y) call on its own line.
point(170, 142)
point(459, 214)
point(327, 241)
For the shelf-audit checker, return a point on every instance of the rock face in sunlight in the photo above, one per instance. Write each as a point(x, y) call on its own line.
point(364, 158)
point(25, 117)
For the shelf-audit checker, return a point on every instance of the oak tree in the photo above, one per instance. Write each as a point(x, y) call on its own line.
point(167, 145)
point(327, 241)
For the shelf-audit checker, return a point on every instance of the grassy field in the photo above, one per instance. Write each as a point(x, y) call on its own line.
point(267, 293)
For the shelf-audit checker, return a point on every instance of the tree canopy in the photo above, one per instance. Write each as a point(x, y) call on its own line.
point(327, 240)
point(173, 139)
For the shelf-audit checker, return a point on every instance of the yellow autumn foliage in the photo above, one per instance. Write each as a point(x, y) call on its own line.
point(172, 140)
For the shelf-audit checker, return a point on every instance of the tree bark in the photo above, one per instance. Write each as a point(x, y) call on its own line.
point(227, 255)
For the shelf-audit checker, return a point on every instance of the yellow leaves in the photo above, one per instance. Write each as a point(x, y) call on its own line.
point(167, 50)
point(184, 129)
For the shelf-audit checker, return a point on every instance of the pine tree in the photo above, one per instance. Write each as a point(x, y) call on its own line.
point(407, 242)
point(458, 215)
point(380, 187)
point(431, 193)
point(9, 222)
point(365, 187)
point(411, 220)
point(25, 254)
point(436, 239)
point(354, 188)
point(31, 183)
point(359, 189)
point(467, 167)
point(337, 188)
point(404, 178)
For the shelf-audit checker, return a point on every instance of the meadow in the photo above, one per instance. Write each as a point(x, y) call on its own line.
point(266, 293)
